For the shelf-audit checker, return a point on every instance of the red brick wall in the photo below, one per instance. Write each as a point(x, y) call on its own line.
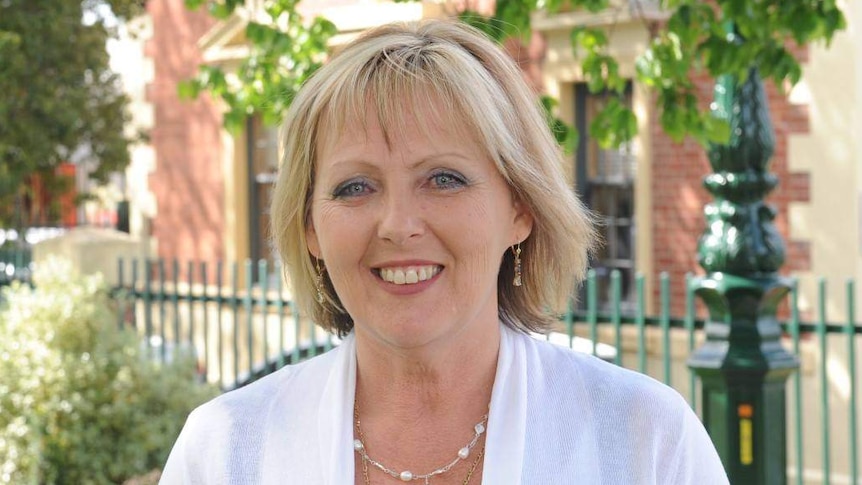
point(188, 181)
point(678, 195)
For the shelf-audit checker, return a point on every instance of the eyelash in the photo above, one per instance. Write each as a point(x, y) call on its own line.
point(343, 190)
point(455, 181)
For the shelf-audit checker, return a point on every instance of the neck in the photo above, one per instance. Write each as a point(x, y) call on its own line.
point(419, 406)
point(438, 380)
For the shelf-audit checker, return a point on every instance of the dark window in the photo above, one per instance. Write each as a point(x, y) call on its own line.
point(604, 179)
point(262, 167)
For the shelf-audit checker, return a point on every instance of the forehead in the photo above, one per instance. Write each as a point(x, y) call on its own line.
point(406, 123)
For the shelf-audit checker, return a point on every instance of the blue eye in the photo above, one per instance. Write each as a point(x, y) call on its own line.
point(352, 188)
point(448, 180)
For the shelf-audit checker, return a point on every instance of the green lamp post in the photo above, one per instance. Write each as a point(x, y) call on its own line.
point(742, 364)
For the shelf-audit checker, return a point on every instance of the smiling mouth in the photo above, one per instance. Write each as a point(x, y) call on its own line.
point(408, 275)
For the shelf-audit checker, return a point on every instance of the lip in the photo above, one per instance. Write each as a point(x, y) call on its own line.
point(410, 289)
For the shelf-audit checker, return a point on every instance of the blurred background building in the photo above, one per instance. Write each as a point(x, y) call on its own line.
point(200, 192)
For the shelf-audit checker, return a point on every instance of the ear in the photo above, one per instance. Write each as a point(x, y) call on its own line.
point(522, 225)
point(311, 238)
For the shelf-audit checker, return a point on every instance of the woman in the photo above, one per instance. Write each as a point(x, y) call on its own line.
point(424, 217)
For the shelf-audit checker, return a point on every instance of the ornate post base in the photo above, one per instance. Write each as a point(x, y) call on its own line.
point(743, 370)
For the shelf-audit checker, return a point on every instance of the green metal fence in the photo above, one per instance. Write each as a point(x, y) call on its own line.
point(15, 262)
point(240, 323)
point(16, 250)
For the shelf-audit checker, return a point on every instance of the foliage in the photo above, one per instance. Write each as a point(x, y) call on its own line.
point(563, 133)
point(691, 36)
point(79, 403)
point(720, 37)
point(60, 103)
point(286, 51)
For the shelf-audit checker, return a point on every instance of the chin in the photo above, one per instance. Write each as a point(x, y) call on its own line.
point(410, 333)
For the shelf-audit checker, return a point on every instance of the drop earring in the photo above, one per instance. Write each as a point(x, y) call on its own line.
point(318, 281)
point(516, 250)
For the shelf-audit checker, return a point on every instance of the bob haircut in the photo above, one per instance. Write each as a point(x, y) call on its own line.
point(399, 69)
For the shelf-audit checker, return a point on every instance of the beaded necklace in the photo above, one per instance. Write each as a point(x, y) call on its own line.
point(406, 475)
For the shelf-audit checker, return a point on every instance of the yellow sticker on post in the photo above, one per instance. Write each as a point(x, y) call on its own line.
point(746, 434)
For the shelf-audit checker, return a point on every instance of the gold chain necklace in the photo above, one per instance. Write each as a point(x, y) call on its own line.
point(406, 476)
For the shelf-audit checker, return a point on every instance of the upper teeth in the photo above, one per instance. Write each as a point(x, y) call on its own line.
point(409, 275)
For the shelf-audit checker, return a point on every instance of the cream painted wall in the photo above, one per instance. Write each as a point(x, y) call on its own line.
point(236, 240)
point(854, 16)
point(644, 259)
point(560, 71)
point(831, 153)
point(832, 89)
point(626, 42)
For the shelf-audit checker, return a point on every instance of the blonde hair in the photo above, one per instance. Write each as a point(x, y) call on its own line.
point(397, 69)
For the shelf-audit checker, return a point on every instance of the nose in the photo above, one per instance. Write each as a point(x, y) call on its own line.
point(400, 218)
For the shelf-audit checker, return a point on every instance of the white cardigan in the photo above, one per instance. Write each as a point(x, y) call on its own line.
point(556, 417)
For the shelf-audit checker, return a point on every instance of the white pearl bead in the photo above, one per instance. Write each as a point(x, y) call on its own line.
point(406, 476)
point(480, 428)
point(357, 445)
point(464, 452)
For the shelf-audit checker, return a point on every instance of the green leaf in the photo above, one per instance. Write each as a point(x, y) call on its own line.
point(234, 120)
point(513, 17)
point(193, 4)
point(258, 33)
point(220, 10)
point(565, 134)
point(614, 124)
point(188, 89)
point(588, 38)
point(715, 130)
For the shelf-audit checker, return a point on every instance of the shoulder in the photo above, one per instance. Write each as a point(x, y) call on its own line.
point(253, 401)
point(623, 424)
point(230, 430)
point(556, 365)
point(588, 378)
point(610, 401)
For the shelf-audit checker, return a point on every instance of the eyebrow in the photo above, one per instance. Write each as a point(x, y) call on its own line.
point(416, 164)
point(437, 156)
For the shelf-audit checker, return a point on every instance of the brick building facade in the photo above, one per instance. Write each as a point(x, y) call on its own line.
point(200, 176)
point(187, 180)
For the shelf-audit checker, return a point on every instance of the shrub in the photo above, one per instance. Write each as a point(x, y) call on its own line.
point(79, 400)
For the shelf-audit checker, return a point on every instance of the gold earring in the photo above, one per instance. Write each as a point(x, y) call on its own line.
point(318, 281)
point(516, 250)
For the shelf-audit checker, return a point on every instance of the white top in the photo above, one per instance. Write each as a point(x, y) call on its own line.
point(556, 417)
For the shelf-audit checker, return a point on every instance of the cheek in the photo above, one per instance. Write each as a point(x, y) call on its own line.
point(478, 240)
point(345, 284)
point(487, 264)
point(343, 238)
point(330, 226)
